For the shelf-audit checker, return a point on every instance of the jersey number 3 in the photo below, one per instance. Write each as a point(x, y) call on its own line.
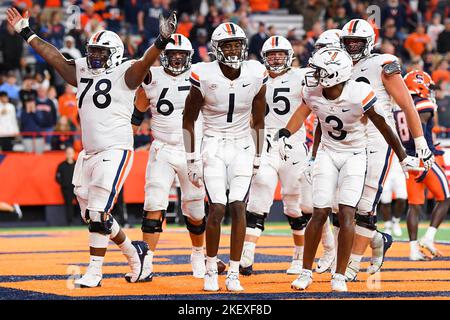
point(102, 89)
point(338, 128)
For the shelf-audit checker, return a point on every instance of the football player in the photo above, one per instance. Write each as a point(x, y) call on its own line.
point(164, 92)
point(395, 183)
point(340, 104)
point(420, 86)
point(107, 85)
point(230, 92)
point(382, 72)
point(283, 95)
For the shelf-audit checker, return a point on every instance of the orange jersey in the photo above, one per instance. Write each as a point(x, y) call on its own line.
point(68, 107)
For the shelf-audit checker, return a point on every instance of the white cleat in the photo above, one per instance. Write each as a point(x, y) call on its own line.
point(140, 264)
point(338, 283)
point(91, 279)
point(352, 270)
point(380, 244)
point(396, 228)
point(198, 265)
point(326, 261)
point(303, 280)
point(429, 245)
point(232, 282)
point(418, 256)
point(246, 263)
point(296, 267)
point(211, 281)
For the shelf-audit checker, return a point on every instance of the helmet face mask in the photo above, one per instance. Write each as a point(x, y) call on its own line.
point(176, 61)
point(98, 57)
point(232, 52)
point(277, 60)
point(355, 46)
point(314, 77)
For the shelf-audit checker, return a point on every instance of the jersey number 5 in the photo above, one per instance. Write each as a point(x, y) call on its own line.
point(99, 92)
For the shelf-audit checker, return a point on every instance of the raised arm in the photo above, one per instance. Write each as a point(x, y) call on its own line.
point(137, 71)
point(66, 68)
point(258, 115)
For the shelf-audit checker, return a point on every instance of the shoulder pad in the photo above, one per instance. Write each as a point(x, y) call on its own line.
point(391, 67)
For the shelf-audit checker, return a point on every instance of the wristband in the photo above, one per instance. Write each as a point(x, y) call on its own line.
point(161, 43)
point(27, 34)
point(137, 117)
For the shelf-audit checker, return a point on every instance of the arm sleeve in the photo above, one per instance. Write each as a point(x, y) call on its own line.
point(194, 78)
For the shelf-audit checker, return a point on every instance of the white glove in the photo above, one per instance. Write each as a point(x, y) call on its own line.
point(424, 153)
point(284, 148)
point(256, 164)
point(308, 169)
point(411, 164)
point(168, 26)
point(16, 20)
point(195, 173)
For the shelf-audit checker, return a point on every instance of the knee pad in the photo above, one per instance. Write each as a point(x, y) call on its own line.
point(292, 206)
point(366, 221)
point(100, 222)
point(335, 220)
point(114, 229)
point(298, 223)
point(153, 225)
point(255, 220)
point(194, 209)
point(195, 229)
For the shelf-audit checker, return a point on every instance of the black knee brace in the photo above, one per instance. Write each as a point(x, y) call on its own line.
point(298, 223)
point(366, 221)
point(335, 220)
point(198, 230)
point(104, 227)
point(153, 225)
point(255, 220)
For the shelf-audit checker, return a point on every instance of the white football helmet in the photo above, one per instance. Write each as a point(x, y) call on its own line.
point(277, 43)
point(330, 66)
point(358, 38)
point(181, 43)
point(226, 32)
point(104, 51)
point(329, 38)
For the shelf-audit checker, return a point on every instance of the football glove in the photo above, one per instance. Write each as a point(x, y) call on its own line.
point(410, 164)
point(424, 153)
point(195, 173)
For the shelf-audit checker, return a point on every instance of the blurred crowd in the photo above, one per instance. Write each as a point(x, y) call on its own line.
point(35, 102)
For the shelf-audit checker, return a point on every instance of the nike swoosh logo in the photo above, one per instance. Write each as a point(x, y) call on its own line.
point(104, 160)
point(284, 81)
point(355, 153)
point(246, 85)
point(139, 250)
point(345, 110)
point(110, 71)
point(373, 152)
point(362, 70)
point(294, 163)
point(246, 147)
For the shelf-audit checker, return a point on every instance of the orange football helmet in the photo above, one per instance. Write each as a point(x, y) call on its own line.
point(419, 82)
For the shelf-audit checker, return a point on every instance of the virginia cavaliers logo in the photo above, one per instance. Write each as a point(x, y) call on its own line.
point(333, 55)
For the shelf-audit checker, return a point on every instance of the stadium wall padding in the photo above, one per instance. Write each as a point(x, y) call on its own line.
point(29, 179)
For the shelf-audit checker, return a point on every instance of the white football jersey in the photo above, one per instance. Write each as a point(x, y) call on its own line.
point(105, 106)
point(341, 120)
point(167, 95)
point(228, 103)
point(369, 70)
point(283, 96)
